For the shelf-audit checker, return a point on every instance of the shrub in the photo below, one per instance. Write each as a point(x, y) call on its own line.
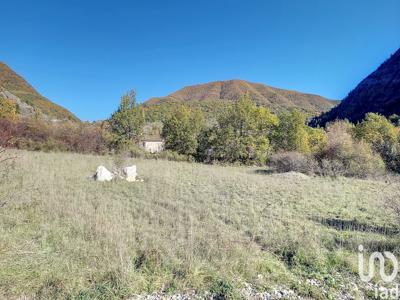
point(174, 156)
point(382, 135)
point(394, 119)
point(7, 159)
point(49, 145)
point(37, 134)
point(377, 131)
point(7, 130)
point(8, 109)
point(391, 156)
point(317, 139)
point(345, 156)
point(93, 139)
point(294, 161)
point(223, 289)
point(120, 161)
point(137, 152)
point(342, 156)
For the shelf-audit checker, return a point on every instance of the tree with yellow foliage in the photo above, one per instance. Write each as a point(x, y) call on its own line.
point(8, 109)
point(317, 139)
point(377, 131)
point(292, 132)
point(382, 135)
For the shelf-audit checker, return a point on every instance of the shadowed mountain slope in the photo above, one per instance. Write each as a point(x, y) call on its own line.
point(378, 93)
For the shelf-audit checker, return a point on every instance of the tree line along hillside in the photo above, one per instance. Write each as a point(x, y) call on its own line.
point(240, 133)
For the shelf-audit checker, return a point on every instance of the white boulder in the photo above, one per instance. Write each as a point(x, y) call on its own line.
point(130, 173)
point(102, 174)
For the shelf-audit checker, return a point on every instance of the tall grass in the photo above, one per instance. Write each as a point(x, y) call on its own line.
point(187, 226)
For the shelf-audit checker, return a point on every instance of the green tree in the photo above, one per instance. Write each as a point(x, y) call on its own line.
point(317, 139)
point(128, 121)
point(395, 120)
point(377, 131)
point(241, 133)
point(382, 135)
point(292, 132)
point(181, 129)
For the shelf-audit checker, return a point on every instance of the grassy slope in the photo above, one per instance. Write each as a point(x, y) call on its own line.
point(18, 86)
point(185, 226)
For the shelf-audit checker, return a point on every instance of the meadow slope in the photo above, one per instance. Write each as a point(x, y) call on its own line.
point(186, 226)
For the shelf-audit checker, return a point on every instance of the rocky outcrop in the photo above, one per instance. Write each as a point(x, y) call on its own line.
point(23, 108)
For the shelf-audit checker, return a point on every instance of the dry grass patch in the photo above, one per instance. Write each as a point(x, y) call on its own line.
point(186, 226)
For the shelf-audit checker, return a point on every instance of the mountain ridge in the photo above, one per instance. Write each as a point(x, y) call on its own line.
point(277, 99)
point(379, 92)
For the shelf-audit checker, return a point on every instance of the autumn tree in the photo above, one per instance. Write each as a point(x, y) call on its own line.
point(377, 131)
point(382, 135)
point(317, 139)
point(292, 132)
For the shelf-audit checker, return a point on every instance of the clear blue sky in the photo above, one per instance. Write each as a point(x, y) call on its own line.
point(85, 54)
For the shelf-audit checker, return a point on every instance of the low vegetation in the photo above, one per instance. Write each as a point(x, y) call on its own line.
point(217, 228)
point(241, 133)
point(187, 226)
point(40, 135)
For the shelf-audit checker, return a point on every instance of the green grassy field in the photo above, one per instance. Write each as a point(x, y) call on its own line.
point(186, 226)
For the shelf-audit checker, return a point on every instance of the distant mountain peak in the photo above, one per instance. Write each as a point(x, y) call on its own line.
point(274, 98)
